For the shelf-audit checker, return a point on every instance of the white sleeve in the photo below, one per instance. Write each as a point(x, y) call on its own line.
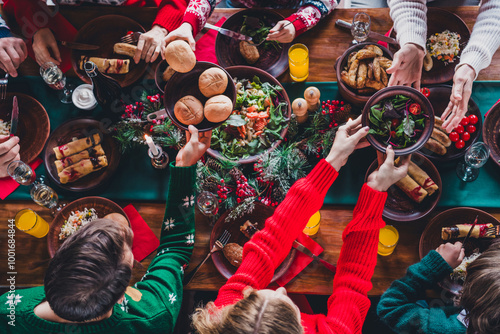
point(410, 21)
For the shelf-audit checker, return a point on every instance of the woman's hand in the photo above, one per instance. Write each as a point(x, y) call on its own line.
point(347, 139)
point(12, 53)
point(406, 69)
point(9, 151)
point(150, 44)
point(453, 254)
point(45, 47)
point(388, 174)
point(283, 32)
point(184, 32)
point(197, 145)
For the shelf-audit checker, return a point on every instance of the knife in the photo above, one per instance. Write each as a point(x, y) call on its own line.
point(297, 245)
point(228, 32)
point(15, 117)
point(371, 34)
point(79, 46)
point(470, 232)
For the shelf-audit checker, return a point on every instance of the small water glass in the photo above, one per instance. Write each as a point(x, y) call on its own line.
point(21, 172)
point(55, 78)
point(360, 27)
point(475, 158)
point(207, 203)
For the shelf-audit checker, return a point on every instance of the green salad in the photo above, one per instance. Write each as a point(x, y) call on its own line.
point(256, 29)
point(398, 121)
point(255, 124)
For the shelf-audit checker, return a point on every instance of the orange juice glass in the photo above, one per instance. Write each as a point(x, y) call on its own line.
point(30, 222)
point(387, 240)
point(312, 226)
point(298, 61)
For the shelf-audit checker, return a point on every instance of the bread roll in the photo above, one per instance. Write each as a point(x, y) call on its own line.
point(218, 108)
point(179, 56)
point(189, 110)
point(212, 82)
point(125, 49)
point(167, 74)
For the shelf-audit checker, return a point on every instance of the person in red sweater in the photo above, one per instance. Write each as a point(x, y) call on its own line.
point(35, 18)
point(242, 307)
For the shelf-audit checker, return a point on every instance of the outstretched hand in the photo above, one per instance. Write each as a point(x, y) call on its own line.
point(184, 32)
point(283, 32)
point(197, 144)
point(388, 173)
point(406, 69)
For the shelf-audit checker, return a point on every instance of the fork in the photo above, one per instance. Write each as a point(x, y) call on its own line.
point(3, 86)
point(219, 244)
point(131, 38)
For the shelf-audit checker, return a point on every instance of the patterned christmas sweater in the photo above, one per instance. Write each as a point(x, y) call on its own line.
point(151, 305)
point(309, 14)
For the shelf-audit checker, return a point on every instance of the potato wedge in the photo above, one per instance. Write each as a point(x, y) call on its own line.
point(362, 73)
point(366, 91)
point(345, 79)
point(378, 51)
point(365, 54)
point(376, 69)
point(370, 71)
point(384, 62)
point(428, 63)
point(351, 58)
point(383, 77)
point(374, 84)
point(352, 74)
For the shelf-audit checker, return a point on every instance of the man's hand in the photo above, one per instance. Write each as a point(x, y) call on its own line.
point(45, 47)
point(197, 145)
point(459, 99)
point(453, 254)
point(406, 69)
point(9, 151)
point(13, 52)
point(347, 139)
point(388, 174)
point(285, 35)
point(150, 44)
point(184, 32)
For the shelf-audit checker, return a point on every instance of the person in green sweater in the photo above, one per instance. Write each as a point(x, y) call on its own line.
point(478, 307)
point(86, 284)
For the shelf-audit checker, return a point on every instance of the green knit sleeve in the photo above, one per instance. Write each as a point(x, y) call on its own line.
point(158, 295)
point(399, 309)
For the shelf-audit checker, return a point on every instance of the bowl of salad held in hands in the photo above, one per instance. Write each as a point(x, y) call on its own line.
point(398, 116)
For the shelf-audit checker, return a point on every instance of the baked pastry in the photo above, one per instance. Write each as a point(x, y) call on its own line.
point(125, 49)
point(92, 152)
point(179, 56)
point(167, 74)
point(233, 253)
point(422, 178)
point(218, 108)
point(412, 189)
point(212, 82)
point(108, 66)
point(76, 146)
point(189, 110)
point(461, 231)
point(82, 168)
point(249, 52)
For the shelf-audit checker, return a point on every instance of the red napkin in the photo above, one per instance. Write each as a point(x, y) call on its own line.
point(145, 241)
point(205, 47)
point(384, 44)
point(301, 260)
point(8, 185)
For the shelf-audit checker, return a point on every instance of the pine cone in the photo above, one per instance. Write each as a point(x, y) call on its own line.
point(235, 174)
point(210, 184)
point(214, 164)
point(342, 116)
point(278, 194)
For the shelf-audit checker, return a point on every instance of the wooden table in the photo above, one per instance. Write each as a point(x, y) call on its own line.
point(326, 43)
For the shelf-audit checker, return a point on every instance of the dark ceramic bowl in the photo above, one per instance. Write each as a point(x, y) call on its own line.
point(416, 96)
point(348, 93)
point(182, 84)
point(491, 132)
point(160, 68)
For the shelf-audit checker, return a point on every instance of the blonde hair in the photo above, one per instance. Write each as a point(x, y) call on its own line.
point(251, 315)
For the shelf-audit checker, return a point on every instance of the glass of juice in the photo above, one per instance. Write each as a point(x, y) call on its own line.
point(298, 61)
point(30, 222)
point(312, 226)
point(387, 240)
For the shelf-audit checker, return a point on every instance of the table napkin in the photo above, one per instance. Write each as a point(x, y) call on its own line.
point(205, 47)
point(301, 260)
point(8, 185)
point(384, 44)
point(145, 241)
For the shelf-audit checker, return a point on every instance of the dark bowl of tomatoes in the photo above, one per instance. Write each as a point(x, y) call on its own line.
point(443, 146)
point(399, 116)
point(491, 132)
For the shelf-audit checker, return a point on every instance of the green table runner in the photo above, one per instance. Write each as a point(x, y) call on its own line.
point(136, 180)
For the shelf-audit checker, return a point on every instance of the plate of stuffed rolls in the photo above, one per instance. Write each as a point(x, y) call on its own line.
point(113, 58)
point(416, 195)
point(81, 155)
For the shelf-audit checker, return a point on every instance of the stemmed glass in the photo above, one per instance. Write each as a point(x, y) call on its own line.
point(475, 158)
point(41, 193)
point(360, 27)
point(55, 78)
point(207, 203)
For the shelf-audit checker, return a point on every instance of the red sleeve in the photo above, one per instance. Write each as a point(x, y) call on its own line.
point(269, 247)
point(170, 14)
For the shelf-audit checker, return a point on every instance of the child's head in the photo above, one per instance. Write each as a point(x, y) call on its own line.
point(260, 311)
point(481, 292)
point(90, 272)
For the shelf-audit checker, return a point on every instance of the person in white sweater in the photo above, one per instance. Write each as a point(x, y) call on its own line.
point(410, 23)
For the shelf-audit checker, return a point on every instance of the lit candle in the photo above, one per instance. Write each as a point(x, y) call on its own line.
point(151, 145)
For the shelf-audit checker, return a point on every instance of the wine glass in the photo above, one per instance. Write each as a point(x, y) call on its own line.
point(475, 158)
point(21, 172)
point(55, 78)
point(207, 203)
point(360, 27)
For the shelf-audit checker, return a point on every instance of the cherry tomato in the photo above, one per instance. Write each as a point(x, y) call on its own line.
point(460, 144)
point(464, 121)
point(473, 119)
point(454, 137)
point(466, 136)
point(415, 108)
point(395, 122)
point(459, 129)
point(393, 134)
point(471, 128)
point(425, 91)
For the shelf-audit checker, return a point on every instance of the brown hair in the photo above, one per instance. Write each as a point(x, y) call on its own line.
point(252, 314)
point(481, 293)
point(88, 274)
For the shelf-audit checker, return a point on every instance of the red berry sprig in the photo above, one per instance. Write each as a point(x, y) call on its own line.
point(223, 191)
point(243, 189)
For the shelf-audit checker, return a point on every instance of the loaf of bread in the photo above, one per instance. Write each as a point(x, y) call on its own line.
point(212, 82)
point(179, 56)
point(218, 108)
point(189, 110)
